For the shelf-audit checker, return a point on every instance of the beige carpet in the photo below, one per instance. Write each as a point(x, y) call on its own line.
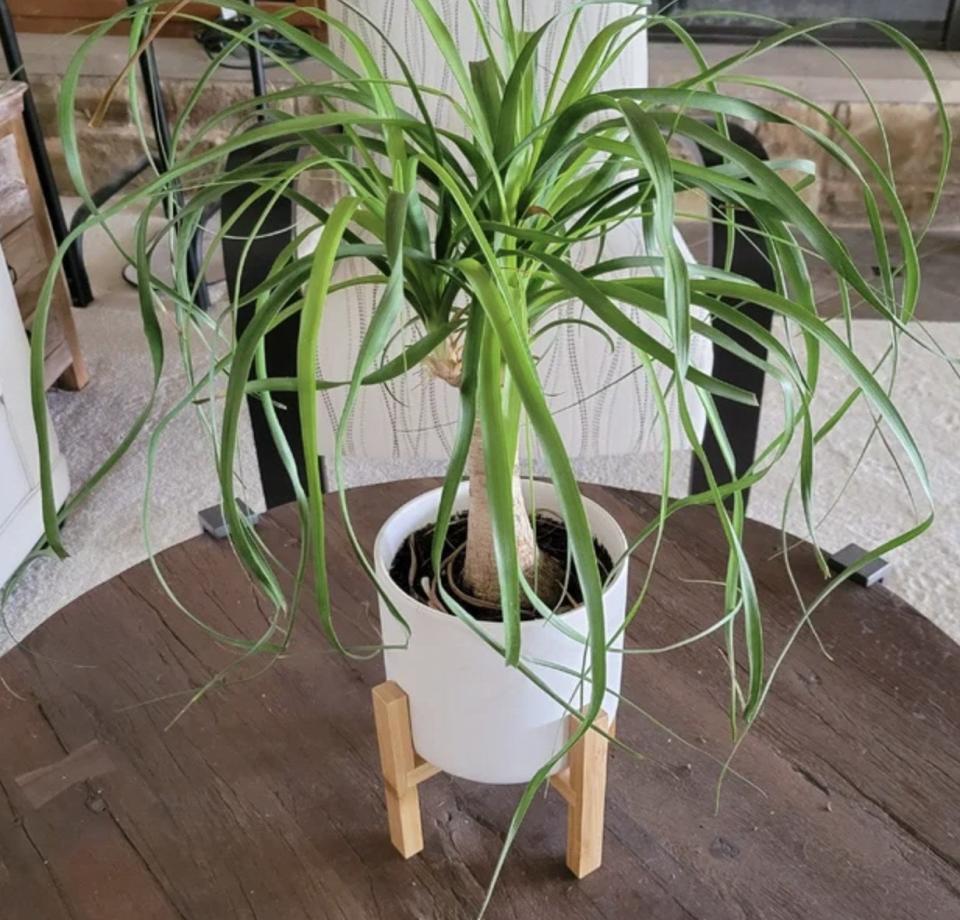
point(105, 537)
point(875, 506)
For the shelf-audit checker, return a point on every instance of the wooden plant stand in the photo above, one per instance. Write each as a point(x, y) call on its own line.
point(582, 783)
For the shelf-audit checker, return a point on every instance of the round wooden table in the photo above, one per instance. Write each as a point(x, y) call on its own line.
point(265, 800)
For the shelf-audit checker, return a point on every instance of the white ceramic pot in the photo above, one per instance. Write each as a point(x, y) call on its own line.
point(472, 716)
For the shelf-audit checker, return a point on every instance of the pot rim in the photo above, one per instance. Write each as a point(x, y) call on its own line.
point(389, 586)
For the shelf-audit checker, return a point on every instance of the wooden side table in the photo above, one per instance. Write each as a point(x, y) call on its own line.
point(29, 245)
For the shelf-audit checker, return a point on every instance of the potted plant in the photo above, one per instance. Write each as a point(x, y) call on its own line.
point(472, 238)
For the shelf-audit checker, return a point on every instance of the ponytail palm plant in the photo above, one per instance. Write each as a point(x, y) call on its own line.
point(473, 239)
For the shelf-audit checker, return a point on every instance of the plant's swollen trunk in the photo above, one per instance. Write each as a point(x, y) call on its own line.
point(480, 566)
point(545, 573)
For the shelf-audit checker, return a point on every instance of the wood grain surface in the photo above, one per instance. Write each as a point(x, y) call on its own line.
point(265, 799)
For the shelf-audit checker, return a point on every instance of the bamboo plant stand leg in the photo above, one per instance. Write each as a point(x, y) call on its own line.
point(403, 771)
point(582, 783)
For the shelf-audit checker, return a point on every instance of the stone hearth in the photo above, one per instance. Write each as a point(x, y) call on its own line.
point(899, 94)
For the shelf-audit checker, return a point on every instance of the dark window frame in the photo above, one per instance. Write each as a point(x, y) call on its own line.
point(945, 37)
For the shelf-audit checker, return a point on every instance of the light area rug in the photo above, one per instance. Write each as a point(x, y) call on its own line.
point(875, 505)
point(105, 537)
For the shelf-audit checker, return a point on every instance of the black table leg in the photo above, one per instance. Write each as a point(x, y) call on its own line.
point(741, 423)
point(161, 130)
point(257, 72)
point(281, 343)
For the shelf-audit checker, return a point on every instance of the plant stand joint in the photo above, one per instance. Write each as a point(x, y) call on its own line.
point(582, 783)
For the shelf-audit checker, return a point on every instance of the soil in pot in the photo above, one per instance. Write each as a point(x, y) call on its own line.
point(412, 568)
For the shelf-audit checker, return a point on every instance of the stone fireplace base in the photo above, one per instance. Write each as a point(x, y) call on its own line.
point(901, 97)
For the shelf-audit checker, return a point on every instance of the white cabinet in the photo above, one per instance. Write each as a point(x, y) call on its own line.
point(15, 483)
point(21, 524)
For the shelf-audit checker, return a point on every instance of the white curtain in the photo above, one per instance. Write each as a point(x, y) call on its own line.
point(602, 402)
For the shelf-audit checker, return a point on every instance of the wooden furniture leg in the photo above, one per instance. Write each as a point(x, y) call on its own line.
point(403, 771)
point(582, 783)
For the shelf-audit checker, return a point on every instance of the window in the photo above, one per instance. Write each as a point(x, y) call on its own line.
point(931, 23)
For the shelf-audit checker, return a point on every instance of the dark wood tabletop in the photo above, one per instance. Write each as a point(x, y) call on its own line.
point(265, 800)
